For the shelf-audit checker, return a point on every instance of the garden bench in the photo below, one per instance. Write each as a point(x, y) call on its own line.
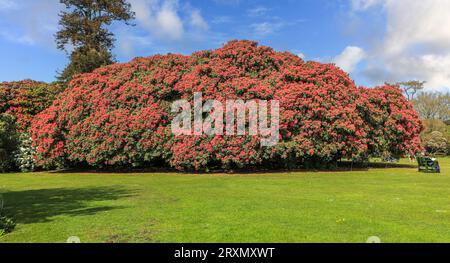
point(428, 165)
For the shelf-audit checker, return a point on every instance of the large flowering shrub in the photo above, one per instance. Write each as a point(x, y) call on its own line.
point(24, 99)
point(120, 115)
point(394, 125)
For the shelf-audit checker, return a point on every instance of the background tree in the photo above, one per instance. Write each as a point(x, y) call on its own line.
point(436, 143)
point(436, 136)
point(433, 106)
point(434, 125)
point(410, 88)
point(84, 33)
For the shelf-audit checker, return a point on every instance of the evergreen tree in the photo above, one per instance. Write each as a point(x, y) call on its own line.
point(84, 33)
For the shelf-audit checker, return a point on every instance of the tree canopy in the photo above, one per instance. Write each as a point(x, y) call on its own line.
point(433, 106)
point(83, 33)
point(411, 88)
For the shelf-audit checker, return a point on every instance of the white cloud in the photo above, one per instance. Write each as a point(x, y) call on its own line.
point(416, 43)
point(437, 69)
point(301, 55)
point(21, 39)
point(169, 25)
point(33, 23)
point(161, 19)
point(228, 2)
point(266, 28)
point(127, 42)
point(8, 5)
point(365, 4)
point(270, 25)
point(222, 20)
point(197, 21)
point(143, 10)
point(349, 58)
point(257, 11)
point(431, 68)
point(417, 22)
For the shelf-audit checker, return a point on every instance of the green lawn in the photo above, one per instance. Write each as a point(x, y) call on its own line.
point(395, 204)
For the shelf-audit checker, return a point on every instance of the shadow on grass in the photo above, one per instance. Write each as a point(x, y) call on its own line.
point(347, 165)
point(394, 165)
point(37, 206)
point(343, 166)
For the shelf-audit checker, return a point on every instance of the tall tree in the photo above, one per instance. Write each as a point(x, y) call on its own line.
point(410, 88)
point(84, 34)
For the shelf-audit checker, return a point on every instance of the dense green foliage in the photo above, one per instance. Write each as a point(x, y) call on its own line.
point(6, 223)
point(8, 142)
point(85, 61)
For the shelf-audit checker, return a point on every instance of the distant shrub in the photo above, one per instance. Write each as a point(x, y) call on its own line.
point(434, 143)
point(21, 101)
point(25, 153)
point(120, 115)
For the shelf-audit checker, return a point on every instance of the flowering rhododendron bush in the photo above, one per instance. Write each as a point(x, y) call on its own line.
point(120, 115)
point(393, 122)
point(24, 99)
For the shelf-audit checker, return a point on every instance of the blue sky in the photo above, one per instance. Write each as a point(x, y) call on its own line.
point(373, 40)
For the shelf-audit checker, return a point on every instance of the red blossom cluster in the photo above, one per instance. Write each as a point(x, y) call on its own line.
point(120, 115)
point(24, 99)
